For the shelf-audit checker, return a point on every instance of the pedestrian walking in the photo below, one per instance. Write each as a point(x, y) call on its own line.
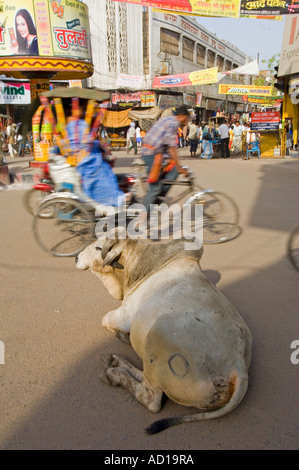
point(180, 137)
point(131, 139)
point(138, 136)
point(193, 138)
point(11, 132)
point(207, 144)
point(237, 139)
point(223, 132)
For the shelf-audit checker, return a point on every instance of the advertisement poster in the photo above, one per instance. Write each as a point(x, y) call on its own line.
point(14, 92)
point(70, 29)
point(200, 77)
point(198, 99)
point(265, 121)
point(148, 99)
point(288, 60)
point(245, 90)
point(268, 7)
point(222, 8)
point(44, 28)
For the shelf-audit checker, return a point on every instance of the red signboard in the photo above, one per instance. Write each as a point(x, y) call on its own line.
point(267, 120)
point(271, 116)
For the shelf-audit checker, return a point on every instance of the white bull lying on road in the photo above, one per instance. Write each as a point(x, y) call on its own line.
point(194, 345)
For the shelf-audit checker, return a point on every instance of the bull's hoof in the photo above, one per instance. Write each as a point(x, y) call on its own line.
point(104, 377)
point(124, 337)
point(109, 360)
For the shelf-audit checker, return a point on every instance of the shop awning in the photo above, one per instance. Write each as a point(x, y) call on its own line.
point(116, 119)
point(152, 113)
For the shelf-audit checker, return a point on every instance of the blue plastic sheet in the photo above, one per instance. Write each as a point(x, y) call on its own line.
point(98, 180)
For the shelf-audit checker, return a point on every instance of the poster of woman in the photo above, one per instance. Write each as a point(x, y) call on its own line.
point(24, 38)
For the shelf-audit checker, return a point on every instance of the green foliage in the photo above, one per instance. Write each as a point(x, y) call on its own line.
point(267, 80)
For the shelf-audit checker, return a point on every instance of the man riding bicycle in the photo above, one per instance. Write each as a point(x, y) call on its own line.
point(159, 152)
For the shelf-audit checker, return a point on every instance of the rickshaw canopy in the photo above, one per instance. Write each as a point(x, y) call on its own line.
point(77, 92)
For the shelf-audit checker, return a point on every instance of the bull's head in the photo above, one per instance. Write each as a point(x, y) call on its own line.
point(101, 255)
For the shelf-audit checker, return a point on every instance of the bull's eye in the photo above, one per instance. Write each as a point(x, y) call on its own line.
point(99, 248)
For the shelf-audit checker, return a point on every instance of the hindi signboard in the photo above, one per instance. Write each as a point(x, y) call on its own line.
point(225, 89)
point(226, 8)
point(265, 121)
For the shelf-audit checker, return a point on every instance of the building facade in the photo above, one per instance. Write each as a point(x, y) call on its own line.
point(136, 41)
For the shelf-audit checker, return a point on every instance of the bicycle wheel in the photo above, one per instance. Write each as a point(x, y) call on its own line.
point(68, 231)
point(220, 216)
point(293, 247)
point(32, 199)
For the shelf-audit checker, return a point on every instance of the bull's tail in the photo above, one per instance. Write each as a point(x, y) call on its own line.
point(240, 388)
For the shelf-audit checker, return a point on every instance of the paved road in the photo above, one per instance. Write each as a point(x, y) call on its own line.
point(50, 323)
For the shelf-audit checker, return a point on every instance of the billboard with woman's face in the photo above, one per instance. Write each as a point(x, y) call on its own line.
point(44, 28)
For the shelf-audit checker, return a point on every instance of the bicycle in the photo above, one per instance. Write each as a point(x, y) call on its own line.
point(293, 247)
point(64, 225)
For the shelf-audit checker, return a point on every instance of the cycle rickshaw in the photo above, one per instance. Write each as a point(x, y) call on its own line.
point(65, 222)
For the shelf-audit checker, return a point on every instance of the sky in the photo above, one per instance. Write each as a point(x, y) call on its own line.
point(252, 36)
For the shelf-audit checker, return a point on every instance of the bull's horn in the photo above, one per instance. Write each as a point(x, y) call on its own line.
point(111, 257)
point(107, 247)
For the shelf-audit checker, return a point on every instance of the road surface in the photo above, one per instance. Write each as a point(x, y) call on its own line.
point(50, 325)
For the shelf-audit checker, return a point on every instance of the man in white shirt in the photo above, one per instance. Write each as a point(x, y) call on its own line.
point(237, 139)
point(131, 138)
point(193, 139)
point(223, 132)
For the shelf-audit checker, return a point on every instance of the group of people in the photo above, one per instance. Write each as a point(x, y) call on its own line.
point(134, 138)
point(202, 137)
point(13, 141)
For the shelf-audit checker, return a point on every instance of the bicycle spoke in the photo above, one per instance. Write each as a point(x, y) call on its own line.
point(68, 231)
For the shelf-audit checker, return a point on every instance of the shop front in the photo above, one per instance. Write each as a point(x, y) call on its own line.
point(288, 75)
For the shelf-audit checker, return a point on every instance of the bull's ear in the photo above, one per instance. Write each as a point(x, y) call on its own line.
point(117, 265)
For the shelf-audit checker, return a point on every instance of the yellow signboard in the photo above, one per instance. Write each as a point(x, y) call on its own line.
point(221, 8)
point(203, 77)
point(225, 89)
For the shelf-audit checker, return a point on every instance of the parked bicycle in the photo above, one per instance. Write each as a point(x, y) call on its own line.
point(293, 247)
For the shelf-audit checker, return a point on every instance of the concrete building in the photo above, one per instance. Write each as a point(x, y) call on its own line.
point(134, 40)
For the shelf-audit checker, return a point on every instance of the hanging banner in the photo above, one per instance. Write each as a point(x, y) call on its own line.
point(129, 81)
point(172, 12)
point(44, 28)
point(221, 8)
point(200, 77)
point(263, 100)
point(225, 89)
point(268, 7)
